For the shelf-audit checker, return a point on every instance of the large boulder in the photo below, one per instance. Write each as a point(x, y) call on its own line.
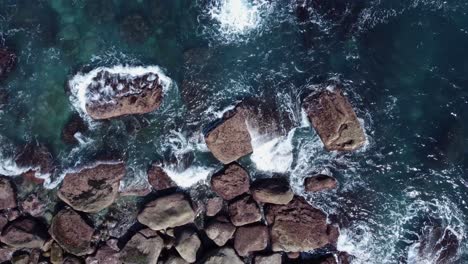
point(7, 194)
point(272, 190)
point(187, 245)
point(319, 183)
point(112, 94)
point(158, 178)
point(92, 189)
point(167, 212)
point(251, 239)
point(24, 233)
point(335, 121)
point(144, 247)
point(299, 227)
point(244, 211)
point(220, 231)
point(7, 62)
point(72, 232)
point(224, 255)
point(231, 182)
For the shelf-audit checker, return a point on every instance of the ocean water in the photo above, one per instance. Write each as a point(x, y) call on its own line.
point(402, 64)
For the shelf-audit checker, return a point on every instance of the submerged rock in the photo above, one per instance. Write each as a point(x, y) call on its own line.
point(272, 190)
point(7, 62)
point(251, 239)
point(438, 245)
point(24, 233)
point(319, 183)
point(224, 255)
point(7, 194)
point(244, 211)
point(335, 121)
point(143, 247)
point(72, 232)
point(231, 182)
point(36, 157)
point(134, 28)
point(159, 179)
point(92, 189)
point(299, 227)
point(74, 125)
point(112, 94)
point(167, 212)
point(220, 231)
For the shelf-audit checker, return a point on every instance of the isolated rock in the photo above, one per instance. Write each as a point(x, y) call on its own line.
point(335, 121)
point(244, 211)
point(74, 125)
point(142, 248)
point(220, 231)
point(112, 95)
point(167, 212)
point(7, 62)
point(24, 233)
point(159, 179)
point(187, 245)
point(299, 227)
point(272, 190)
point(214, 206)
point(224, 255)
point(71, 232)
point(271, 259)
point(319, 183)
point(92, 189)
point(251, 239)
point(230, 182)
point(7, 194)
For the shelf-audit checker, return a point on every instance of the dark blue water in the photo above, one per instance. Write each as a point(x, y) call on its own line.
point(402, 64)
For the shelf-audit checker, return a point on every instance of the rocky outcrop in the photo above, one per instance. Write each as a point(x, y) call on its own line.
point(271, 259)
point(36, 157)
point(144, 247)
point(92, 189)
point(272, 191)
point(335, 121)
point(299, 227)
point(167, 212)
point(224, 255)
point(74, 125)
point(214, 206)
point(438, 245)
point(111, 94)
point(251, 239)
point(320, 183)
point(7, 194)
point(7, 62)
point(187, 245)
point(220, 231)
point(244, 211)
point(231, 182)
point(159, 179)
point(72, 232)
point(24, 233)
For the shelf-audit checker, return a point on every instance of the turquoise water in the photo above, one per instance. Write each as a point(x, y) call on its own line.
point(402, 65)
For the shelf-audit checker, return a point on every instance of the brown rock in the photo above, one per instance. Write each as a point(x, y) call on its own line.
point(299, 227)
point(220, 231)
point(33, 206)
point(335, 121)
point(320, 183)
point(159, 179)
point(24, 233)
point(104, 255)
point(142, 249)
point(71, 232)
point(7, 194)
point(214, 206)
point(231, 182)
point(131, 95)
point(187, 245)
point(244, 211)
point(271, 259)
point(36, 157)
point(167, 212)
point(92, 189)
point(7, 62)
point(74, 125)
point(251, 239)
point(224, 255)
point(272, 190)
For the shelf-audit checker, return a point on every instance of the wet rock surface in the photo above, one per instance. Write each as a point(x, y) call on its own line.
point(231, 182)
point(120, 94)
point(36, 157)
point(7, 62)
point(319, 183)
point(439, 245)
point(92, 189)
point(272, 191)
point(7, 194)
point(334, 120)
point(159, 179)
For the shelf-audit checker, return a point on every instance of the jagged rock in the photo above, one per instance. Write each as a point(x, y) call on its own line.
point(272, 190)
point(220, 231)
point(92, 189)
point(24, 233)
point(224, 255)
point(251, 239)
point(143, 247)
point(74, 125)
point(187, 244)
point(167, 212)
point(159, 179)
point(72, 232)
point(231, 182)
point(7, 62)
point(244, 211)
point(56, 254)
point(7, 194)
point(437, 245)
point(214, 206)
point(36, 157)
point(104, 255)
point(319, 183)
point(116, 95)
point(299, 227)
point(175, 260)
point(271, 259)
point(335, 121)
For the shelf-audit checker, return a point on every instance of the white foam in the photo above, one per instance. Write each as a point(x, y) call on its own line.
point(188, 177)
point(8, 167)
